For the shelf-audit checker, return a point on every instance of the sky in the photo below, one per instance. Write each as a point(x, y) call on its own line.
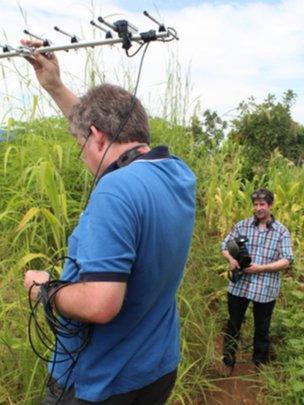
point(227, 52)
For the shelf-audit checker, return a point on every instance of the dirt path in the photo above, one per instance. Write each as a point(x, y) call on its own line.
point(241, 388)
point(238, 389)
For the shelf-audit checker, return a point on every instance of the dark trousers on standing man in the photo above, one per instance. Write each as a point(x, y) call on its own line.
point(262, 315)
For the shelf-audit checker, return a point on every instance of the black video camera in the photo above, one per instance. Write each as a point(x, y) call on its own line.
point(238, 250)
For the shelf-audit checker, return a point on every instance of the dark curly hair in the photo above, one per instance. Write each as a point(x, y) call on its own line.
point(262, 194)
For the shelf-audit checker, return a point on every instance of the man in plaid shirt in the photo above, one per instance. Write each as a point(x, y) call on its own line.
point(269, 246)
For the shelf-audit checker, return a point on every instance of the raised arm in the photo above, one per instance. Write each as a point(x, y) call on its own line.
point(48, 74)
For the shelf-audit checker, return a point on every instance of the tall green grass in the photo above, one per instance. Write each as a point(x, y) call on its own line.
point(43, 191)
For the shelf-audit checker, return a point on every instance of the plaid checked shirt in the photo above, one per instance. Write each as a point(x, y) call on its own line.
point(264, 246)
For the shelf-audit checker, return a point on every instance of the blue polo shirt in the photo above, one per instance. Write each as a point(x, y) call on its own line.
point(136, 228)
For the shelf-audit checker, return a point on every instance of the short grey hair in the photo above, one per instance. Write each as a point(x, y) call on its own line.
point(107, 107)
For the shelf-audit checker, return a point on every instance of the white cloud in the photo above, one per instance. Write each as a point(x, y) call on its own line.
point(236, 50)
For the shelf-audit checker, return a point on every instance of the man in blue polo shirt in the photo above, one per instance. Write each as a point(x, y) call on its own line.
point(128, 253)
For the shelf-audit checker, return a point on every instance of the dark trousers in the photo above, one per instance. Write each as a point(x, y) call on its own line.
point(154, 394)
point(262, 315)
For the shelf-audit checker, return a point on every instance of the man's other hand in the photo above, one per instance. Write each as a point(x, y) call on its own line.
point(253, 269)
point(34, 276)
point(233, 264)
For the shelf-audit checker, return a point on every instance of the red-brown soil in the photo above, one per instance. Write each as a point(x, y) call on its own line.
point(240, 388)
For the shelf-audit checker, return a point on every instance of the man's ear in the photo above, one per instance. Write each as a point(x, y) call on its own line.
point(98, 136)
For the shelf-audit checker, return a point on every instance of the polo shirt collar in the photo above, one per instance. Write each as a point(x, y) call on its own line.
point(159, 152)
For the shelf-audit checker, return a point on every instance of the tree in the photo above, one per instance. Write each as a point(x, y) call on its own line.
point(264, 127)
point(209, 130)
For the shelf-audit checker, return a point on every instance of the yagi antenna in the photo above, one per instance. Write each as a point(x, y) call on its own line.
point(9, 51)
point(124, 29)
point(120, 26)
point(126, 32)
point(45, 42)
point(107, 32)
point(103, 21)
point(74, 39)
point(161, 27)
point(6, 48)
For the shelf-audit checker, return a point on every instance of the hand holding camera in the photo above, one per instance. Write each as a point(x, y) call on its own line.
point(239, 252)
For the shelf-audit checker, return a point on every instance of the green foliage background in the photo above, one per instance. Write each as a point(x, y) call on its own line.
point(43, 189)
